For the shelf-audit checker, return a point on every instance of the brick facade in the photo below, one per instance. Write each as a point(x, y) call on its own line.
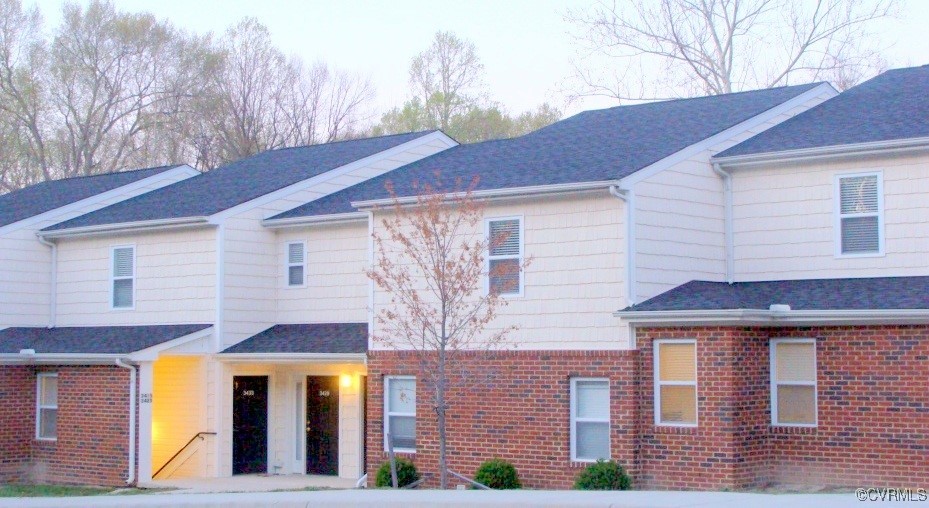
point(93, 426)
point(873, 412)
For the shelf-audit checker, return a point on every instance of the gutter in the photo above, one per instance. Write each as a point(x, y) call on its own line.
point(53, 281)
point(628, 198)
point(534, 190)
point(826, 152)
point(126, 227)
point(337, 218)
point(130, 477)
point(727, 220)
point(29, 356)
point(776, 316)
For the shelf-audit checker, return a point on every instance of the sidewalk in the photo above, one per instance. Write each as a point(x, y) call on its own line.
point(454, 499)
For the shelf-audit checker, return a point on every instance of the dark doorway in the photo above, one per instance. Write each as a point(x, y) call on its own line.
point(322, 424)
point(249, 424)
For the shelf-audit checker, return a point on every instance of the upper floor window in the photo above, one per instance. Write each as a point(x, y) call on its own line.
point(793, 382)
point(676, 382)
point(46, 423)
point(590, 419)
point(505, 256)
point(860, 214)
point(123, 277)
point(296, 264)
point(400, 412)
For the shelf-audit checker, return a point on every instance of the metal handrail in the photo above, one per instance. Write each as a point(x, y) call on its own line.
point(198, 434)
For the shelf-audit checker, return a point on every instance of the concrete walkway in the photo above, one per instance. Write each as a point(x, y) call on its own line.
point(454, 499)
point(251, 483)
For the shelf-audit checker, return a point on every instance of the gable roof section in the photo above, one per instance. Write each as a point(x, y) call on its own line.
point(91, 340)
point(891, 106)
point(593, 146)
point(860, 294)
point(237, 182)
point(319, 338)
point(46, 196)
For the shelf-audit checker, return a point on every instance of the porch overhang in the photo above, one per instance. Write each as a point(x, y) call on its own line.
point(359, 358)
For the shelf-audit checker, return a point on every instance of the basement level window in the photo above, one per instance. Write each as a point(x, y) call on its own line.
point(46, 422)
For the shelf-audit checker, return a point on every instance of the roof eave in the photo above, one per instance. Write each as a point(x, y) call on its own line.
point(310, 220)
point(825, 152)
point(761, 317)
point(292, 357)
point(126, 227)
point(61, 358)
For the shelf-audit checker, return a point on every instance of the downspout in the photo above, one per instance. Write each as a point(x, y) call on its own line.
point(132, 407)
point(730, 242)
point(53, 281)
point(628, 197)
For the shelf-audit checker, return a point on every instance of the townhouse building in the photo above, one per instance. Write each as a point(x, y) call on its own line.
point(724, 292)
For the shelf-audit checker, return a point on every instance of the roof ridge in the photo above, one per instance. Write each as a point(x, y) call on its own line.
point(429, 131)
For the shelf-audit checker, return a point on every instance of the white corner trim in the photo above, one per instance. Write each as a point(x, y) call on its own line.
point(161, 179)
point(827, 152)
point(126, 227)
point(218, 325)
point(533, 190)
point(151, 354)
point(310, 220)
point(739, 128)
point(333, 173)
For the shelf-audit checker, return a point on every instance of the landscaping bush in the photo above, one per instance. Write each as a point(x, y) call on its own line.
point(604, 475)
point(498, 474)
point(406, 474)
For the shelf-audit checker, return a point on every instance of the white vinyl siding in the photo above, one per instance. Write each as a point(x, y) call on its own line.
point(676, 382)
point(590, 419)
point(400, 412)
point(504, 259)
point(859, 201)
point(46, 424)
point(296, 264)
point(793, 382)
point(123, 277)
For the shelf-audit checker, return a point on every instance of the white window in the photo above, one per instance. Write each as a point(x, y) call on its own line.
point(793, 382)
point(504, 260)
point(296, 264)
point(400, 412)
point(676, 382)
point(860, 227)
point(46, 423)
point(123, 277)
point(590, 419)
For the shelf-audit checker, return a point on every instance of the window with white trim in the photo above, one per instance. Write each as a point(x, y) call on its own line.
point(793, 382)
point(505, 256)
point(676, 382)
point(123, 277)
point(590, 419)
point(860, 203)
point(296, 264)
point(46, 423)
point(400, 412)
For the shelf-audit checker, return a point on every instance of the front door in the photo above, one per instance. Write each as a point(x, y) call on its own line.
point(322, 425)
point(249, 424)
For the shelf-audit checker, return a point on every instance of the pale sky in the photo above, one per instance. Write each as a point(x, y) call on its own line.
point(524, 44)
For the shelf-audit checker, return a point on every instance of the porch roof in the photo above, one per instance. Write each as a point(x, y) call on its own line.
point(92, 340)
point(315, 338)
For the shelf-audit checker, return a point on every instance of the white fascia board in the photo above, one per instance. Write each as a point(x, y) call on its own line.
point(511, 192)
point(700, 146)
point(60, 359)
point(826, 152)
point(291, 357)
point(126, 227)
point(151, 354)
point(183, 170)
point(331, 174)
point(762, 317)
point(310, 220)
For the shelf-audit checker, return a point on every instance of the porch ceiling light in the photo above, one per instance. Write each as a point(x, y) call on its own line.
point(346, 380)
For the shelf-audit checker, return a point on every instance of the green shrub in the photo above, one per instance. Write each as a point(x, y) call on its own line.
point(406, 474)
point(604, 475)
point(498, 474)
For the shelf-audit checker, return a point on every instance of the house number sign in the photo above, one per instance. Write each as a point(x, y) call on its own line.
point(248, 393)
point(324, 393)
point(145, 398)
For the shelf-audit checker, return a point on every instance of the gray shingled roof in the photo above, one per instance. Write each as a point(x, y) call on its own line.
point(238, 182)
point(307, 338)
point(880, 293)
point(91, 339)
point(45, 196)
point(598, 145)
point(892, 106)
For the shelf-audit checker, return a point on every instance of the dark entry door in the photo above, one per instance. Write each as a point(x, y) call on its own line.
point(322, 424)
point(249, 424)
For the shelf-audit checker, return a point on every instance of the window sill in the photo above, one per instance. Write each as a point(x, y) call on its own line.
point(792, 429)
point(675, 429)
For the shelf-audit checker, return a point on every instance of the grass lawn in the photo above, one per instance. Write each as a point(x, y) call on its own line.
point(62, 491)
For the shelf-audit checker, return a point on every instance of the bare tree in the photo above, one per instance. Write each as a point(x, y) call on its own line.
point(447, 77)
point(695, 47)
point(430, 262)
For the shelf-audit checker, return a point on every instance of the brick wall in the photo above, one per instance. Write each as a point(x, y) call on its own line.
point(521, 413)
point(17, 421)
point(93, 425)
